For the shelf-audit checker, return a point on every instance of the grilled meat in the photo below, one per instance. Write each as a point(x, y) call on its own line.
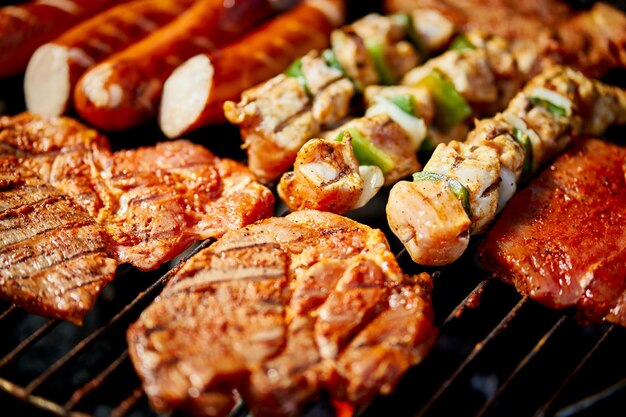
point(562, 240)
point(477, 79)
point(486, 75)
point(70, 208)
point(170, 195)
point(326, 176)
point(277, 117)
point(542, 32)
point(153, 202)
point(279, 311)
point(482, 173)
point(63, 152)
point(508, 18)
point(53, 255)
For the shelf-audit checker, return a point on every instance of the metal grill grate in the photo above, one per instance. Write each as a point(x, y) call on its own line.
point(498, 353)
point(502, 355)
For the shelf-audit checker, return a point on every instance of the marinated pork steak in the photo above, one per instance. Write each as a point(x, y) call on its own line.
point(153, 202)
point(164, 198)
point(53, 255)
point(562, 239)
point(279, 311)
point(70, 209)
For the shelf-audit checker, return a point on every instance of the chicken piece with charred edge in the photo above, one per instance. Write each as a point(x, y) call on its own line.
point(343, 171)
point(277, 117)
point(477, 76)
point(280, 311)
point(432, 108)
point(464, 184)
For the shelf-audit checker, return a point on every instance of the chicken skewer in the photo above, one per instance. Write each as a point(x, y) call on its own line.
point(464, 185)
point(277, 117)
point(432, 108)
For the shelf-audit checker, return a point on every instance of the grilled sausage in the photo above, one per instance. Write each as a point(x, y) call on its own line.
point(125, 90)
point(194, 94)
point(25, 27)
point(55, 67)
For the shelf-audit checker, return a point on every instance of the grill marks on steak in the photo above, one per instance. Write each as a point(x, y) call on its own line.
point(562, 240)
point(165, 197)
point(53, 255)
point(154, 201)
point(141, 206)
point(280, 310)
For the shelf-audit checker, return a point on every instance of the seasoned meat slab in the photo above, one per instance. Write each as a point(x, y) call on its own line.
point(70, 209)
point(153, 202)
point(562, 240)
point(53, 255)
point(279, 311)
point(164, 198)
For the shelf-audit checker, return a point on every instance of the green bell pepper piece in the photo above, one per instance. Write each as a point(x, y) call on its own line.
point(376, 51)
point(451, 106)
point(295, 71)
point(331, 60)
point(524, 140)
point(366, 152)
point(552, 108)
point(405, 102)
point(460, 43)
point(407, 20)
point(459, 190)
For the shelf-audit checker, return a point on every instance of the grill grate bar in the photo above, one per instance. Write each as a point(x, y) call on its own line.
point(535, 350)
point(456, 312)
point(541, 412)
point(591, 400)
point(29, 341)
point(128, 403)
point(95, 382)
point(473, 354)
point(8, 311)
point(155, 287)
point(401, 252)
point(40, 402)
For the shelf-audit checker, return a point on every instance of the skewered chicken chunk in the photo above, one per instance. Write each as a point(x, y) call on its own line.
point(277, 117)
point(396, 125)
point(384, 154)
point(326, 176)
point(554, 107)
point(373, 50)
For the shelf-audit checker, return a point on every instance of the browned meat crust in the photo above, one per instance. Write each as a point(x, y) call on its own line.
point(53, 255)
point(592, 41)
point(168, 196)
point(154, 201)
point(562, 240)
point(281, 310)
point(66, 201)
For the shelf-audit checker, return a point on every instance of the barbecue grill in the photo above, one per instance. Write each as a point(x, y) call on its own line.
point(498, 353)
